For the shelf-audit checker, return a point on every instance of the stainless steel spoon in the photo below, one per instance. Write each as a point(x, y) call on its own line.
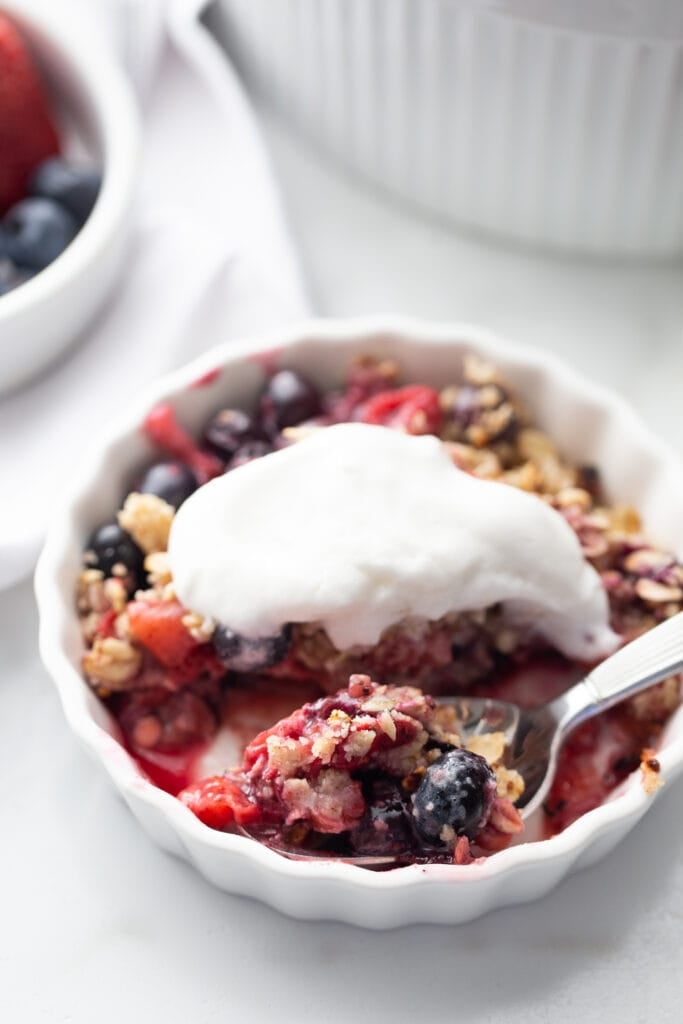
point(534, 738)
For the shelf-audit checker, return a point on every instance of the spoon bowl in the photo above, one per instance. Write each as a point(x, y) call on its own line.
point(529, 739)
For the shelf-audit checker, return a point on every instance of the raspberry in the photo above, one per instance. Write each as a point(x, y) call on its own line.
point(218, 802)
point(414, 409)
point(106, 625)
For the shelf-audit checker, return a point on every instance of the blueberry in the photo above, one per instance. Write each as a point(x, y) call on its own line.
point(37, 231)
point(589, 480)
point(466, 405)
point(74, 188)
point(456, 792)
point(172, 481)
point(248, 452)
point(288, 399)
point(241, 654)
point(229, 430)
point(112, 546)
point(385, 828)
point(11, 277)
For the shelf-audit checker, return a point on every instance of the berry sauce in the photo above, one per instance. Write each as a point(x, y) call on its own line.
point(170, 772)
point(248, 708)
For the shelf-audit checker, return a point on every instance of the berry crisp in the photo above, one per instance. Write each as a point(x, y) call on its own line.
point(359, 758)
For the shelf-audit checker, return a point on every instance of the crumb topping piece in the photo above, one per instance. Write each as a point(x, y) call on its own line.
point(148, 520)
point(111, 663)
point(650, 769)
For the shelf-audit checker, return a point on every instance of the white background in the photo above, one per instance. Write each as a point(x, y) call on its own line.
point(97, 925)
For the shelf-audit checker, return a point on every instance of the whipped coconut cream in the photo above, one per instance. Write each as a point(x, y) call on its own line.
point(358, 527)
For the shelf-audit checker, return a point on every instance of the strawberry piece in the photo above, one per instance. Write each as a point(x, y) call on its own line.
point(158, 626)
point(163, 428)
point(218, 802)
point(27, 132)
point(106, 625)
point(414, 408)
point(201, 661)
point(462, 853)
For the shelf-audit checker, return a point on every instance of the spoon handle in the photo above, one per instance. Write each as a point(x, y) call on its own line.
point(645, 661)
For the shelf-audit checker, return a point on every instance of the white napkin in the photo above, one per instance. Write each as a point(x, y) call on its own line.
point(211, 259)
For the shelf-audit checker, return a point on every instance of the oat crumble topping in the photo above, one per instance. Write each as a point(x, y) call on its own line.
point(147, 519)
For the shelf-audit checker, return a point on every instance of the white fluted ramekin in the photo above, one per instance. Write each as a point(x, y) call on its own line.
point(557, 123)
point(589, 423)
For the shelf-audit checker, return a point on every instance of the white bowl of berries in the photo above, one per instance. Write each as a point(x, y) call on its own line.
point(245, 611)
point(68, 157)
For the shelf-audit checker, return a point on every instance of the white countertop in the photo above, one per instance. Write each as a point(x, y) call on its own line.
point(97, 925)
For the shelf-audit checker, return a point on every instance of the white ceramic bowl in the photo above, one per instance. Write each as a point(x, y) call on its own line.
point(552, 122)
point(589, 423)
point(98, 117)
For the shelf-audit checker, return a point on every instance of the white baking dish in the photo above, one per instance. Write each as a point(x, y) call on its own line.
point(98, 117)
point(556, 123)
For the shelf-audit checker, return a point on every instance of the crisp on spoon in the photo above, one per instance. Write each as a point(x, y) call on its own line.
point(534, 738)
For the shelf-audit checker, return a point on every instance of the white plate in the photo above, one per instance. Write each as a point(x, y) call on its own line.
point(589, 423)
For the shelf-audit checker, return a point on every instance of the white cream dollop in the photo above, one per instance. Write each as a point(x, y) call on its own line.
point(358, 527)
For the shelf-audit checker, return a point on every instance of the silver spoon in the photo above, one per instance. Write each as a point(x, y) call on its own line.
point(534, 738)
